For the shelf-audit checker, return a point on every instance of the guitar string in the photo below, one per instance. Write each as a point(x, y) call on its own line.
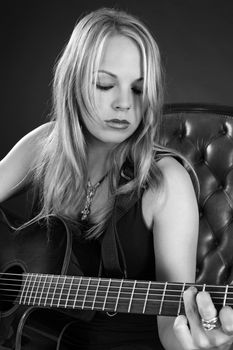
point(74, 303)
point(102, 289)
point(98, 297)
point(65, 279)
point(29, 295)
point(29, 289)
point(91, 288)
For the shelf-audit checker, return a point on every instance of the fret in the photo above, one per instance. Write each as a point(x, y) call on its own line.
point(48, 290)
point(225, 295)
point(85, 295)
point(25, 283)
point(92, 293)
point(55, 288)
point(42, 290)
point(141, 299)
point(131, 297)
point(60, 295)
point(74, 283)
point(96, 291)
point(118, 295)
point(68, 294)
point(161, 304)
point(101, 295)
point(26, 290)
point(37, 288)
point(77, 291)
point(106, 295)
point(112, 295)
point(125, 296)
point(146, 298)
point(32, 288)
point(219, 294)
point(203, 287)
point(181, 298)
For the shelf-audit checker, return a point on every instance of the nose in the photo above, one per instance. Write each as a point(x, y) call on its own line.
point(122, 101)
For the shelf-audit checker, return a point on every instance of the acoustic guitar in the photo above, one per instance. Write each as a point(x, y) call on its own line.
point(35, 278)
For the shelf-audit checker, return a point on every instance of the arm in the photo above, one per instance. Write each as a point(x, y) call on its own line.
point(175, 228)
point(175, 223)
point(16, 166)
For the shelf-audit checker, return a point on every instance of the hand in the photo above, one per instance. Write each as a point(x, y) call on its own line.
point(190, 331)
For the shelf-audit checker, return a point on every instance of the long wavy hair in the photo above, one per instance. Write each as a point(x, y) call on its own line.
point(60, 174)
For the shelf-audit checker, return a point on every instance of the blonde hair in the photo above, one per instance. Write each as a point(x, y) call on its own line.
point(61, 170)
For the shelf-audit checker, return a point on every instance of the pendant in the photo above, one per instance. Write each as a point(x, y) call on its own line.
point(91, 190)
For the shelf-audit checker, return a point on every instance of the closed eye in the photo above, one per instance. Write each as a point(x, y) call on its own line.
point(104, 87)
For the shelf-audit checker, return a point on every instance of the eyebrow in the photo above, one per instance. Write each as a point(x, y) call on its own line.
point(113, 75)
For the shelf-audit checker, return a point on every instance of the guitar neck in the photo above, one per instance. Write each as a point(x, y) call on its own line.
point(111, 295)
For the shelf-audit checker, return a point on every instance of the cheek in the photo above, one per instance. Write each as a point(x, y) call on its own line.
point(102, 101)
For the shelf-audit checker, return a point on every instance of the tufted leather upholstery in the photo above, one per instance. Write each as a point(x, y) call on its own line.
point(204, 134)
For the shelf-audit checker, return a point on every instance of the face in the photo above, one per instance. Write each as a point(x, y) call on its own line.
point(118, 91)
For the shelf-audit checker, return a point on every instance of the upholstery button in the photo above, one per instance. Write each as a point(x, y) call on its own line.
point(202, 159)
point(202, 156)
point(223, 129)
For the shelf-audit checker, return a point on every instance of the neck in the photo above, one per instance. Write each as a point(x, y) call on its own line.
point(98, 160)
point(106, 294)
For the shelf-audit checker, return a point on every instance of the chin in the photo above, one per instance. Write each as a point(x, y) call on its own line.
point(115, 139)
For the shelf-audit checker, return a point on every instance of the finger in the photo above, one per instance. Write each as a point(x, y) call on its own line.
point(205, 306)
point(191, 309)
point(182, 332)
point(198, 334)
point(226, 319)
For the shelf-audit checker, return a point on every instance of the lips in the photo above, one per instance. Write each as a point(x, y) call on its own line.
point(117, 123)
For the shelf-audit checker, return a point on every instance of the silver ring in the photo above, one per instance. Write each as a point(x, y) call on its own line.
point(208, 325)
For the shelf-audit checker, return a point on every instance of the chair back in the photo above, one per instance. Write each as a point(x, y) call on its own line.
point(204, 135)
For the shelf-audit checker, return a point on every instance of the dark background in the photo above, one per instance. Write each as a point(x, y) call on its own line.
point(195, 38)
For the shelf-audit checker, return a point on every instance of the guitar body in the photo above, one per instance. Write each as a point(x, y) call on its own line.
point(33, 249)
point(45, 329)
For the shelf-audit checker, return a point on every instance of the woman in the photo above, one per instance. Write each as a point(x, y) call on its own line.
point(107, 108)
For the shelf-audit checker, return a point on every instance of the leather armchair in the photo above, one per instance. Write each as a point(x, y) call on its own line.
point(204, 134)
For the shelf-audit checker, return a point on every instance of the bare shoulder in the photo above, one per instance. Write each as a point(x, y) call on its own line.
point(34, 137)
point(170, 164)
point(30, 143)
point(16, 166)
point(173, 172)
point(176, 188)
point(176, 180)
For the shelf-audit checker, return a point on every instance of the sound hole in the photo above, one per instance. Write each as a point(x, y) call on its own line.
point(10, 284)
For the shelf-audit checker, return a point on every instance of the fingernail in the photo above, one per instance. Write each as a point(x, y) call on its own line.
point(194, 289)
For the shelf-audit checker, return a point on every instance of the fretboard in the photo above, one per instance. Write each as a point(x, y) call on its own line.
point(110, 295)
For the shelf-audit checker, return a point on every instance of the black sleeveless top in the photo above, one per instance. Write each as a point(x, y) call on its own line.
point(121, 331)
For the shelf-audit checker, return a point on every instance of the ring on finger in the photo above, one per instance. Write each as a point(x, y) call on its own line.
point(208, 325)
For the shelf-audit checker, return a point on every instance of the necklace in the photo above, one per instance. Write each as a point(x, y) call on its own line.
point(91, 190)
